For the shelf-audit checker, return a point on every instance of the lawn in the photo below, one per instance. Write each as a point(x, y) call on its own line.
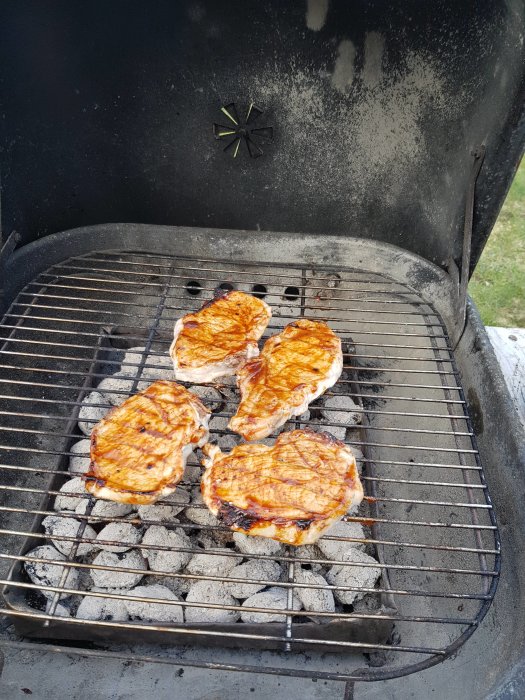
point(498, 283)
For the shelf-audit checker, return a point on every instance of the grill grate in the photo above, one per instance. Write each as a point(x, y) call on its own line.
point(427, 510)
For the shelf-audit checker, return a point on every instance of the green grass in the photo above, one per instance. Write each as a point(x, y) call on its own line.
point(498, 284)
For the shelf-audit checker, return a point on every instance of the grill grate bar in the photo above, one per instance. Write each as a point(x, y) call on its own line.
point(276, 306)
point(285, 303)
point(112, 302)
point(160, 340)
point(79, 346)
point(99, 375)
point(219, 414)
point(210, 577)
point(380, 499)
point(301, 613)
point(466, 477)
point(270, 327)
point(53, 274)
point(234, 267)
point(227, 402)
point(210, 528)
point(126, 292)
point(372, 541)
point(104, 520)
point(135, 304)
point(443, 484)
point(355, 443)
point(236, 272)
point(389, 462)
point(237, 635)
point(43, 356)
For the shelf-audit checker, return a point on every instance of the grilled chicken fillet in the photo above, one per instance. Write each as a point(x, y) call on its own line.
point(139, 449)
point(294, 368)
point(218, 339)
point(291, 492)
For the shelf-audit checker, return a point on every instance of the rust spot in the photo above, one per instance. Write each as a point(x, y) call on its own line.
point(365, 521)
point(476, 412)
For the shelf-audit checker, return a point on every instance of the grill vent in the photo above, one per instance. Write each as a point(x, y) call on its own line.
point(242, 128)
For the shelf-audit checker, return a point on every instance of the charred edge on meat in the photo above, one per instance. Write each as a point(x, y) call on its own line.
point(102, 483)
point(218, 293)
point(303, 524)
point(233, 516)
point(322, 436)
point(330, 439)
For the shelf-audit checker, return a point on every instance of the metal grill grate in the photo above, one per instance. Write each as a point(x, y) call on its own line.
point(427, 512)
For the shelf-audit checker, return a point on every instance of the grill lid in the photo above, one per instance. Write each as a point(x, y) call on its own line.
point(348, 118)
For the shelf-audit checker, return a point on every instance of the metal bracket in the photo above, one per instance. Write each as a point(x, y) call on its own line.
point(9, 245)
point(5, 251)
point(479, 156)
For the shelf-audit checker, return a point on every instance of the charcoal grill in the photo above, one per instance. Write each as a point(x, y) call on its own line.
point(417, 361)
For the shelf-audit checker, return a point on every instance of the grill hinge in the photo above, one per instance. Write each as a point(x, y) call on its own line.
point(479, 155)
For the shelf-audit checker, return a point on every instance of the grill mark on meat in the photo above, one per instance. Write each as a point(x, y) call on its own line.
point(157, 407)
point(231, 515)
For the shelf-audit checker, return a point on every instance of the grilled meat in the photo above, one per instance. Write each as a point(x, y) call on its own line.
point(139, 449)
point(218, 339)
point(291, 492)
point(294, 368)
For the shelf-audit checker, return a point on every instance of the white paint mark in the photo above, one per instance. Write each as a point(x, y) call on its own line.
point(316, 11)
point(343, 74)
point(372, 69)
point(196, 12)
